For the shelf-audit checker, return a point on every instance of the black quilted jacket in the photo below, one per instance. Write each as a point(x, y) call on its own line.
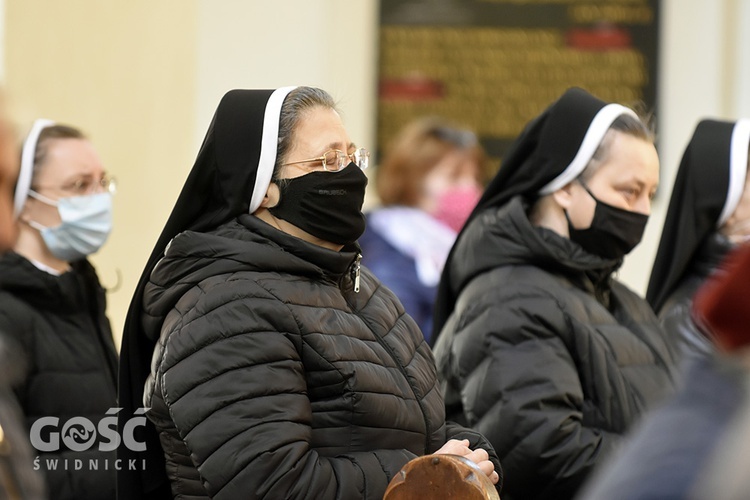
point(675, 314)
point(66, 343)
point(545, 354)
point(274, 379)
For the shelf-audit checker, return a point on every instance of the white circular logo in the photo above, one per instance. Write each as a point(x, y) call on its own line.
point(78, 434)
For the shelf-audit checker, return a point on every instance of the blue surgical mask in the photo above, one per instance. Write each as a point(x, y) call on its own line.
point(86, 224)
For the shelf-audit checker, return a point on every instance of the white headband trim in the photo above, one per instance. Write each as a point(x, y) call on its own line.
point(737, 168)
point(27, 164)
point(594, 135)
point(268, 146)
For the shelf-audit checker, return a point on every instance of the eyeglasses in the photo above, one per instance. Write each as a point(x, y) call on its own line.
point(334, 160)
point(86, 185)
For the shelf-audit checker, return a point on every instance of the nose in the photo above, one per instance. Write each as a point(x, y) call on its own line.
point(644, 205)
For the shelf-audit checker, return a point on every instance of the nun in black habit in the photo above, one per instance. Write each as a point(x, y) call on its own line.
point(270, 363)
point(709, 214)
point(538, 347)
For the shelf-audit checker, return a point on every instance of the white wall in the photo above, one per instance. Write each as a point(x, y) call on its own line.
point(2, 40)
point(741, 63)
point(329, 44)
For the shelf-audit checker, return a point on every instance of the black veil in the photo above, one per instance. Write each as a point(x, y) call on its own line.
point(229, 177)
point(552, 151)
point(707, 189)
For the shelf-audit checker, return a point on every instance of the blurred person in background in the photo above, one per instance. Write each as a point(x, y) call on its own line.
point(428, 183)
point(540, 349)
point(8, 174)
point(709, 214)
point(271, 363)
point(52, 305)
point(696, 445)
point(17, 477)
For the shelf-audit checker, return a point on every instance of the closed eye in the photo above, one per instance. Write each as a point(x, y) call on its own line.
point(629, 192)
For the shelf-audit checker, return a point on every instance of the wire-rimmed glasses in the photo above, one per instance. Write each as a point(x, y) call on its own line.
point(87, 185)
point(334, 160)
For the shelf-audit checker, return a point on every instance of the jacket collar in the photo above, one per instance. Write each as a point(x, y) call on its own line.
point(505, 236)
point(244, 244)
point(66, 292)
point(329, 263)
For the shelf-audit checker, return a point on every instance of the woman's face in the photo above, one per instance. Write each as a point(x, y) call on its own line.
point(71, 168)
point(320, 221)
point(319, 130)
point(737, 226)
point(451, 190)
point(627, 179)
point(456, 170)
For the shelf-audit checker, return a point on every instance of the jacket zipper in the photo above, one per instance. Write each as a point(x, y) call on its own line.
point(356, 271)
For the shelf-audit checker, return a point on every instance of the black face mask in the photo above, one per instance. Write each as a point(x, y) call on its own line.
point(613, 233)
point(328, 205)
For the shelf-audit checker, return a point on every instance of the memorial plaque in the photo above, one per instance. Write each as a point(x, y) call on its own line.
point(492, 65)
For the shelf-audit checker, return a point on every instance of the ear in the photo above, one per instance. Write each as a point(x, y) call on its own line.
point(564, 196)
point(27, 207)
point(272, 197)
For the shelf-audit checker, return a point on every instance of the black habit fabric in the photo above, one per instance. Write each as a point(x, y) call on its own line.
point(218, 188)
point(542, 152)
point(698, 197)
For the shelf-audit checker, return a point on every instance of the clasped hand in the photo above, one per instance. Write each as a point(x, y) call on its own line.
point(479, 456)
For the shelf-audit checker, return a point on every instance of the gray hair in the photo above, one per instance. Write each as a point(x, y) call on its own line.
point(297, 102)
point(641, 128)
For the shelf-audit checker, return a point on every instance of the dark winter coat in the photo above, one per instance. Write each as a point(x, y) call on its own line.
point(274, 378)
point(66, 342)
point(17, 476)
point(545, 354)
point(675, 314)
